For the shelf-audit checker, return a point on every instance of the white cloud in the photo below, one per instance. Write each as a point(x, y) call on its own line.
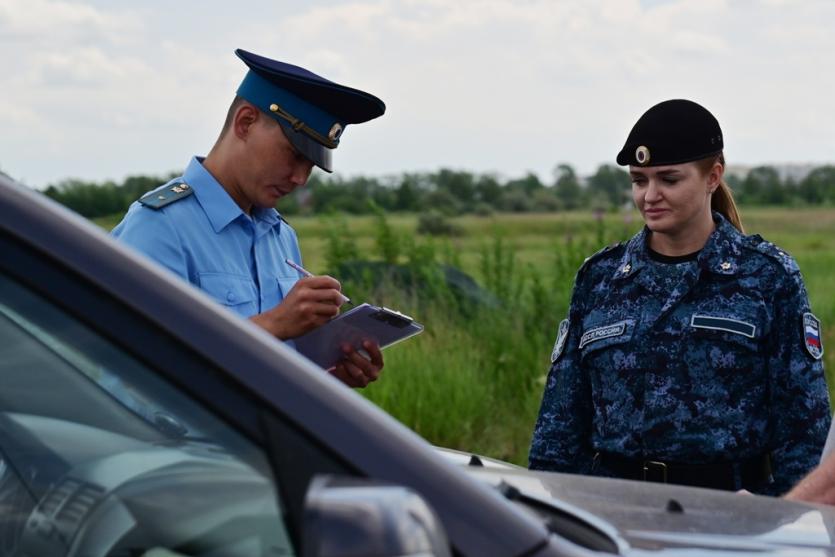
point(82, 66)
point(54, 21)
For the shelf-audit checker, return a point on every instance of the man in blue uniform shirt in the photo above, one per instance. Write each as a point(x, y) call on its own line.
point(216, 226)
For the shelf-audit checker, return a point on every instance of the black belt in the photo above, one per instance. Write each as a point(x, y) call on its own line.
point(751, 473)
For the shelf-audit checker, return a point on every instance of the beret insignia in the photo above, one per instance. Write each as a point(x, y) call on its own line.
point(642, 155)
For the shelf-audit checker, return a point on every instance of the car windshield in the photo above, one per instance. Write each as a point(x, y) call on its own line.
point(100, 456)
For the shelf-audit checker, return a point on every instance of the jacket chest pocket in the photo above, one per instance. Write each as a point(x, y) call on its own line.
point(233, 291)
point(726, 343)
point(609, 358)
point(605, 341)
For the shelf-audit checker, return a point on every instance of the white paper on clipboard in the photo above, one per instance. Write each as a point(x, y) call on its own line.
point(379, 324)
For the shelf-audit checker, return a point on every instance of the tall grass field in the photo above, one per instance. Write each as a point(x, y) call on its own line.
point(473, 380)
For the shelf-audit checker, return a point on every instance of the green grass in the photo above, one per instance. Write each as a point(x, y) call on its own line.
point(473, 380)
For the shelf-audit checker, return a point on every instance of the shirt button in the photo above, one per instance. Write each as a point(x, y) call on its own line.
point(230, 296)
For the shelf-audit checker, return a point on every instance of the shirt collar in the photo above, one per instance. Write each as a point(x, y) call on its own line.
point(216, 201)
point(719, 255)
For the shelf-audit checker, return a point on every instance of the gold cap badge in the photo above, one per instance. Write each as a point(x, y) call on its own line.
point(642, 155)
point(336, 131)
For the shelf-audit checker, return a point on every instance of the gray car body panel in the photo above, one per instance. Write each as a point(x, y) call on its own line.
point(478, 520)
point(641, 515)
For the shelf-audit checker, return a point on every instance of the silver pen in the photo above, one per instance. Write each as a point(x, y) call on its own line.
point(343, 298)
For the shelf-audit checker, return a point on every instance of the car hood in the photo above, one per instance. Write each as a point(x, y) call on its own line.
point(644, 517)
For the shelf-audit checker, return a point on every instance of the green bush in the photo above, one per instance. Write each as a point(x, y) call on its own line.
point(434, 223)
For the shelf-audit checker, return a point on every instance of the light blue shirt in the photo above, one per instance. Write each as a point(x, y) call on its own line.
point(206, 239)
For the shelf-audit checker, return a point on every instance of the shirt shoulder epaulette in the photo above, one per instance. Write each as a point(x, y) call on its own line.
point(786, 262)
point(168, 194)
point(608, 251)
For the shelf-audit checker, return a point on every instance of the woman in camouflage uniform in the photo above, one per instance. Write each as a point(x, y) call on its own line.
point(690, 354)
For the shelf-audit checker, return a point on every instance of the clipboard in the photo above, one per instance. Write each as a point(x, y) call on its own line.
point(366, 321)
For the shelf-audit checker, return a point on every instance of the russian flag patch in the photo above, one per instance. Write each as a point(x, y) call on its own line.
point(812, 335)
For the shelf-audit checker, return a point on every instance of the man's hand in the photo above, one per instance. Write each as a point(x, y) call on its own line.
point(354, 369)
point(818, 486)
point(310, 303)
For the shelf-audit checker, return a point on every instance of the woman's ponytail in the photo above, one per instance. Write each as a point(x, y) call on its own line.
point(722, 200)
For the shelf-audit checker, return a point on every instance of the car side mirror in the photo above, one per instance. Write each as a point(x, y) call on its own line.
point(350, 517)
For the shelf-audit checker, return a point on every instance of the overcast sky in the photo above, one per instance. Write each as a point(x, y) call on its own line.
point(103, 89)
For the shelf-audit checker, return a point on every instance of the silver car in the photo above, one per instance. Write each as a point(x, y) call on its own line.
point(137, 418)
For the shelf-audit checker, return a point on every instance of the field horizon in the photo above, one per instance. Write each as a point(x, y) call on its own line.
point(473, 380)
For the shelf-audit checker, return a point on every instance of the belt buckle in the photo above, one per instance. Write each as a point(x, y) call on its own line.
point(651, 467)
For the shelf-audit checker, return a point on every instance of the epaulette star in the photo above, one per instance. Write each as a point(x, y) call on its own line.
point(165, 196)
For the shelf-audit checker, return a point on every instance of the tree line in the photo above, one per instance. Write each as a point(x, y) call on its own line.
point(455, 192)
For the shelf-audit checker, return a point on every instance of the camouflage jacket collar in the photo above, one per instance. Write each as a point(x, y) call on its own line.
point(720, 255)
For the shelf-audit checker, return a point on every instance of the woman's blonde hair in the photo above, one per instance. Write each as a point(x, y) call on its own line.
point(722, 200)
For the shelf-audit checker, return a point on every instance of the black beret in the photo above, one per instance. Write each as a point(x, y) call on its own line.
point(672, 132)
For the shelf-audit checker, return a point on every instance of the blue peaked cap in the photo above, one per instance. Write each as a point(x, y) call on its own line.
point(312, 111)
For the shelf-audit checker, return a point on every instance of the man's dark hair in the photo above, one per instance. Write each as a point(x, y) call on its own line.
point(236, 103)
point(230, 114)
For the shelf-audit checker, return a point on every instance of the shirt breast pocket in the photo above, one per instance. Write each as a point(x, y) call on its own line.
point(285, 284)
point(236, 292)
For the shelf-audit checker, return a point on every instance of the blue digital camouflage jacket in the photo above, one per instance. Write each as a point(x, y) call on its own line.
point(719, 362)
